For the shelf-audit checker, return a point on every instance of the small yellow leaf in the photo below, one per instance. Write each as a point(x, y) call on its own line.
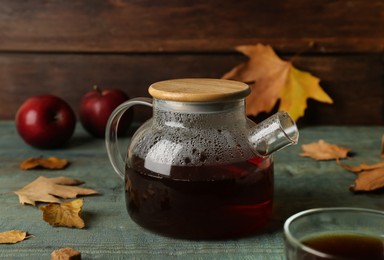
point(322, 150)
point(66, 214)
point(52, 163)
point(48, 189)
point(271, 79)
point(12, 236)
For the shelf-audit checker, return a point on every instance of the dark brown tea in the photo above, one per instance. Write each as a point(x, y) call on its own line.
point(348, 246)
point(206, 202)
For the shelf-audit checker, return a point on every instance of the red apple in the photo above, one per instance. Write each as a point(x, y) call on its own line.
point(97, 105)
point(45, 121)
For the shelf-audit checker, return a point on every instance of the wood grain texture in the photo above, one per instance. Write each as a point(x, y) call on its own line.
point(199, 90)
point(355, 83)
point(184, 26)
point(300, 184)
point(65, 47)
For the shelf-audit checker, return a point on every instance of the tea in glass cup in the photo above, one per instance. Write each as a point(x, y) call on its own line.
point(335, 233)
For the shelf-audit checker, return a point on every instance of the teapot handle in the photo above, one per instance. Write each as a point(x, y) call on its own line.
point(114, 154)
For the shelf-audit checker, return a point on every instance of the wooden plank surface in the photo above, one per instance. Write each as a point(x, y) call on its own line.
point(355, 83)
point(300, 183)
point(183, 26)
point(64, 47)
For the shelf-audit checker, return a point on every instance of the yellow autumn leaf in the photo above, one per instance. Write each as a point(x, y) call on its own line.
point(12, 236)
point(272, 79)
point(65, 214)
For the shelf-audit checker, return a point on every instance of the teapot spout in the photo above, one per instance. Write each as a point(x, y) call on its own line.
point(273, 134)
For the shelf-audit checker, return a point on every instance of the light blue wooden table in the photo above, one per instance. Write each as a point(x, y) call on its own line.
point(300, 183)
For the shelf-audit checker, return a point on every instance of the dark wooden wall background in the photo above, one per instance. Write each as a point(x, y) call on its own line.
point(64, 47)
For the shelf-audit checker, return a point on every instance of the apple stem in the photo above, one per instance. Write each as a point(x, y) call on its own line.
point(96, 88)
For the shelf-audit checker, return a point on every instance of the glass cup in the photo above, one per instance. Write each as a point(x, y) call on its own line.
point(335, 233)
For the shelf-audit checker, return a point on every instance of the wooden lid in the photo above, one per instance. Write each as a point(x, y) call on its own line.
point(199, 89)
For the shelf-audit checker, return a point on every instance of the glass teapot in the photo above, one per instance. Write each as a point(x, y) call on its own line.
point(199, 169)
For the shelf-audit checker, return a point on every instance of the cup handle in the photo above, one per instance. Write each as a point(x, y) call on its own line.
point(114, 154)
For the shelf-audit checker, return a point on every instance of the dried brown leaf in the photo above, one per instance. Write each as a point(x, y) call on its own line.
point(362, 167)
point(66, 253)
point(369, 177)
point(65, 214)
point(12, 236)
point(322, 150)
point(48, 189)
point(52, 163)
point(382, 147)
point(369, 180)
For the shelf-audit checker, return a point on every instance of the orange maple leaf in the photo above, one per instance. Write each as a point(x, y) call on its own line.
point(273, 79)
